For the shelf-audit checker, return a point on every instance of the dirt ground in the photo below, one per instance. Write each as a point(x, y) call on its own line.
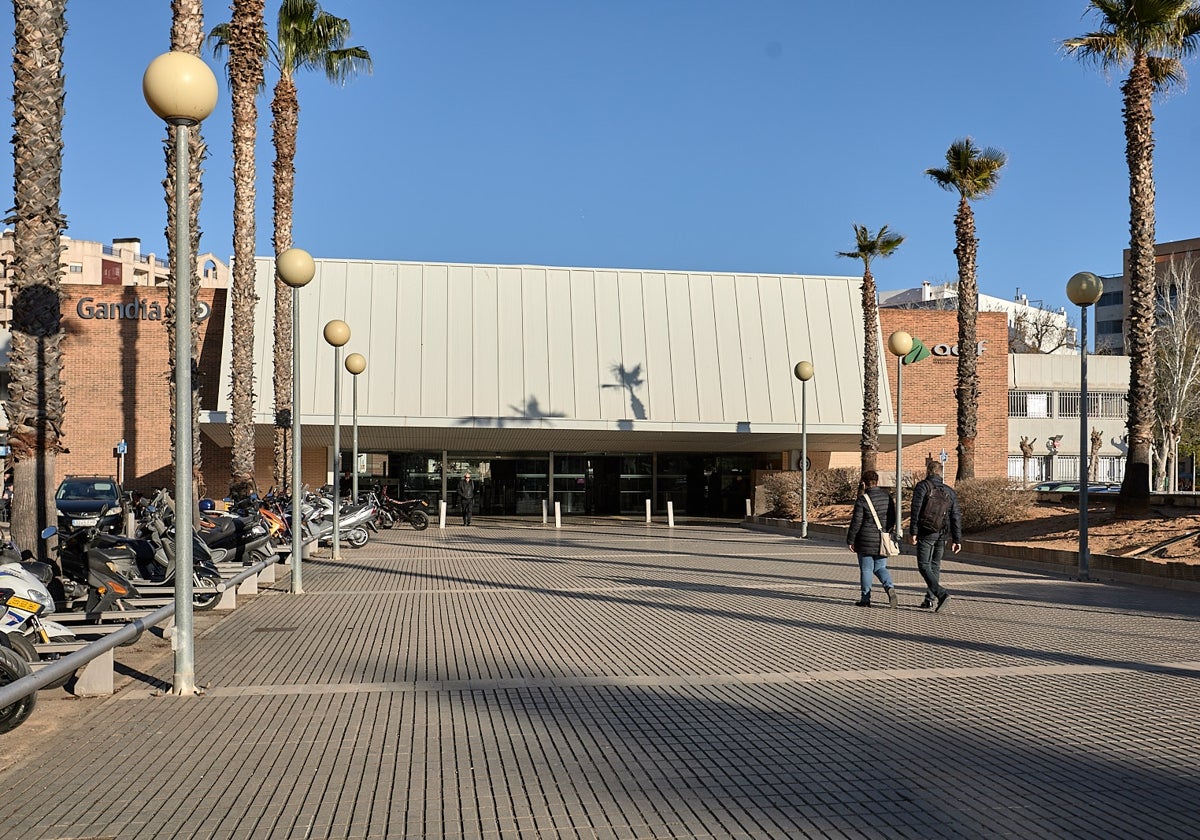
point(1050, 525)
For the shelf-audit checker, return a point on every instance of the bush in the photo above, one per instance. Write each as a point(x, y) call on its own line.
point(988, 502)
point(825, 487)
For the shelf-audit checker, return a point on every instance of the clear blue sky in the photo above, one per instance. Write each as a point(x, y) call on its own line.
point(709, 135)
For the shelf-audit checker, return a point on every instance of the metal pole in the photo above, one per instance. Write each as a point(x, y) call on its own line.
point(354, 479)
point(297, 486)
point(899, 447)
point(183, 681)
point(803, 459)
point(1084, 556)
point(337, 452)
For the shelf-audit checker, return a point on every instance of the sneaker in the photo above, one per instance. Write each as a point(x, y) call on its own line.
point(942, 599)
point(863, 602)
point(924, 605)
point(893, 598)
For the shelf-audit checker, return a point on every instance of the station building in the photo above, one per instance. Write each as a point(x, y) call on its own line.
point(596, 388)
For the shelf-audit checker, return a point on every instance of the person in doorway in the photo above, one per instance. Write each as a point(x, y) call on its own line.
point(866, 530)
point(936, 516)
point(466, 497)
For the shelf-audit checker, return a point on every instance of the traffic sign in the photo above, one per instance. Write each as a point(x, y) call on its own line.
point(944, 457)
point(122, 448)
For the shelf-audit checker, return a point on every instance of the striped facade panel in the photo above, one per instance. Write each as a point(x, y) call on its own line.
point(460, 345)
point(613, 405)
point(730, 363)
point(559, 342)
point(775, 336)
point(436, 335)
point(384, 360)
point(410, 341)
point(660, 400)
point(485, 332)
point(510, 343)
point(536, 358)
point(754, 352)
point(684, 359)
point(634, 376)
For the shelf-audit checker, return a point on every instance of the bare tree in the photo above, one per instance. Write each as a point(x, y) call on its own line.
point(1040, 331)
point(1096, 442)
point(1026, 456)
point(1177, 364)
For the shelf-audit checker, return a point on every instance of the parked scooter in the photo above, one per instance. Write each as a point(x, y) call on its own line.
point(13, 668)
point(352, 522)
point(239, 537)
point(22, 625)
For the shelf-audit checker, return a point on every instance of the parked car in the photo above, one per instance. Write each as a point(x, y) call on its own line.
point(86, 501)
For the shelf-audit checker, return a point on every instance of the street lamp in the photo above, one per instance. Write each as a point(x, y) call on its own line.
point(337, 333)
point(180, 89)
point(899, 344)
point(1084, 289)
point(295, 268)
point(804, 372)
point(356, 363)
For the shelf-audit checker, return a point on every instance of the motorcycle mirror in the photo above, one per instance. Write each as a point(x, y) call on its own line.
point(50, 531)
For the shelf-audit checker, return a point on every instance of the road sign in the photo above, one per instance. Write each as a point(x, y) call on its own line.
point(944, 457)
point(122, 448)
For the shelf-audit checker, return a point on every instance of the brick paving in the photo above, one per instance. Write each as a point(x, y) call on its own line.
point(511, 680)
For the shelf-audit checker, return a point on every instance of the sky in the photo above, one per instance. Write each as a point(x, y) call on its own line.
point(699, 135)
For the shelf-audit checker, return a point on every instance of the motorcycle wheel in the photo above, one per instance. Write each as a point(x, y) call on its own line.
point(12, 668)
point(386, 520)
point(357, 537)
point(205, 601)
point(24, 648)
point(419, 520)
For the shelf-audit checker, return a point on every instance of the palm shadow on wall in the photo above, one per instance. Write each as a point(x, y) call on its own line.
point(532, 410)
point(629, 380)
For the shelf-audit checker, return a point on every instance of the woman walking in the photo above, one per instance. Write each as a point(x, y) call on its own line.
point(866, 536)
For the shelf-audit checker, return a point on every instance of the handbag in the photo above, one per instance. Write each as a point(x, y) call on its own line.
point(886, 543)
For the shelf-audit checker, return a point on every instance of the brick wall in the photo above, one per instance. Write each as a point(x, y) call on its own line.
point(929, 395)
point(116, 380)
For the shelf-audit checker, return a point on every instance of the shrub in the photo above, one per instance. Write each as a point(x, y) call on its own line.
point(825, 487)
point(988, 502)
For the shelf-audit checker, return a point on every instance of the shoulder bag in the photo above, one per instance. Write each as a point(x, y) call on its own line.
point(886, 542)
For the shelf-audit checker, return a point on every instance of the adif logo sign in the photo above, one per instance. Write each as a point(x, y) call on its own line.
point(952, 349)
point(134, 310)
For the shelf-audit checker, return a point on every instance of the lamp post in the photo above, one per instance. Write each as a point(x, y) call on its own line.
point(899, 344)
point(1084, 289)
point(295, 268)
point(337, 333)
point(181, 89)
point(804, 372)
point(356, 363)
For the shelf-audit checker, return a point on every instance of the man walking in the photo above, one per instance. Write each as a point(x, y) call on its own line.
point(935, 513)
point(466, 497)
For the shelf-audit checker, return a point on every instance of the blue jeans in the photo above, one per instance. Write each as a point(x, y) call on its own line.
point(930, 549)
point(873, 567)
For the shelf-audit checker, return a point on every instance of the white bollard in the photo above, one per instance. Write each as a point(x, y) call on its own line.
point(647, 511)
point(749, 511)
point(558, 514)
point(544, 509)
point(670, 514)
point(442, 513)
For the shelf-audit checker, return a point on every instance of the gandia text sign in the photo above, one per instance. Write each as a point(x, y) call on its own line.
point(134, 310)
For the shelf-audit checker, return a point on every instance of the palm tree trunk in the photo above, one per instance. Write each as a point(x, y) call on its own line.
point(967, 384)
point(285, 108)
point(246, 76)
point(36, 406)
point(869, 444)
point(187, 35)
point(1134, 499)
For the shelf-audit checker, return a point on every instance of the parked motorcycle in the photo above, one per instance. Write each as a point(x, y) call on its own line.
point(412, 511)
point(352, 521)
point(13, 668)
point(22, 625)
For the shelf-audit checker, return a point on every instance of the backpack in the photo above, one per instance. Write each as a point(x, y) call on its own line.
point(935, 509)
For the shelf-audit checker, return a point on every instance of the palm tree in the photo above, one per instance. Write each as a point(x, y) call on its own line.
point(868, 246)
point(973, 173)
point(1151, 38)
point(187, 35)
point(247, 50)
point(36, 406)
point(308, 38)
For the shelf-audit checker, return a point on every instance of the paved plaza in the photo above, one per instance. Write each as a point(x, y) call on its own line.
point(619, 680)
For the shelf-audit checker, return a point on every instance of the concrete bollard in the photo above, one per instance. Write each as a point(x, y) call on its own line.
point(647, 511)
point(544, 510)
point(442, 513)
point(749, 509)
point(670, 514)
point(558, 514)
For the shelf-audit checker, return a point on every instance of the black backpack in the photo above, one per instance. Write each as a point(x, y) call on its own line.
point(935, 509)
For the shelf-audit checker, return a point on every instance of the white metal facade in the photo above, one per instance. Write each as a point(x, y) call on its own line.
point(508, 358)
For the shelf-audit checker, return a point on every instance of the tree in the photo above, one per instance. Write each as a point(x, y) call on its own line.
point(1150, 37)
point(187, 35)
point(247, 50)
point(307, 39)
point(1040, 331)
point(868, 246)
point(973, 173)
point(1177, 364)
point(36, 406)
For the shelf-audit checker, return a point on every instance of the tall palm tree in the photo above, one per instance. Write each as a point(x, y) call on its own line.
point(1151, 38)
point(868, 246)
point(36, 406)
point(307, 38)
point(187, 35)
point(973, 173)
point(247, 51)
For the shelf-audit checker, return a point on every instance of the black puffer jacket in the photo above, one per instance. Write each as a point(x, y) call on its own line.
point(864, 536)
